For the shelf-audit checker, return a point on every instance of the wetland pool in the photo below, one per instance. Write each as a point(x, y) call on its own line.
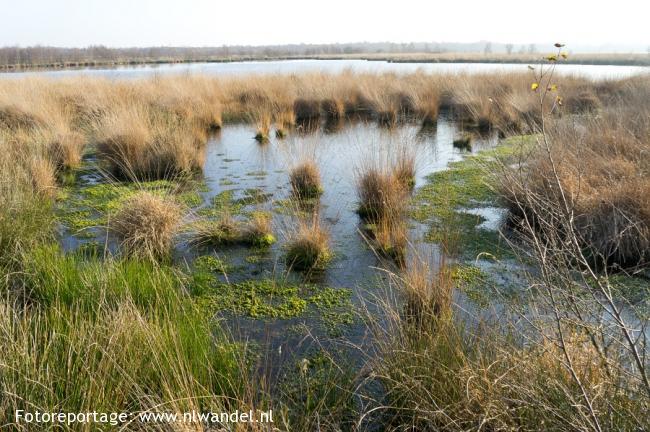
point(264, 303)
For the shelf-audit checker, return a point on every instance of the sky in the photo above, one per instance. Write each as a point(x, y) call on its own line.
point(126, 23)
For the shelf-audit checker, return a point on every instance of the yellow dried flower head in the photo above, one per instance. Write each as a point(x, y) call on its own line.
point(534, 86)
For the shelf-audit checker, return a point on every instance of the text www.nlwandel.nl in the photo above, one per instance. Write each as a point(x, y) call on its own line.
point(115, 419)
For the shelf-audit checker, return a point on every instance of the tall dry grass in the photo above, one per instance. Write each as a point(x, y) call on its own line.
point(601, 164)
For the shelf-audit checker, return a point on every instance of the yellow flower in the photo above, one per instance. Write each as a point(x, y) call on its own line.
point(534, 86)
point(552, 87)
point(564, 55)
point(551, 58)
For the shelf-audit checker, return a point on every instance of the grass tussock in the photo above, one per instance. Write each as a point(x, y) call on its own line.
point(258, 231)
point(223, 231)
point(43, 177)
point(308, 248)
point(226, 230)
point(383, 191)
point(305, 180)
point(263, 127)
point(380, 193)
point(146, 225)
point(284, 122)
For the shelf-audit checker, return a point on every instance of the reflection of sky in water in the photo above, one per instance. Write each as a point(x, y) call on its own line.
point(332, 66)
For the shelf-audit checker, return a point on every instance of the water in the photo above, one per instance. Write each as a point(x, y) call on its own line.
point(329, 66)
point(233, 156)
point(235, 161)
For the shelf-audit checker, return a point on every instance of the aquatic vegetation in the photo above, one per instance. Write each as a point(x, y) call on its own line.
point(466, 185)
point(305, 180)
point(146, 225)
point(271, 298)
point(211, 263)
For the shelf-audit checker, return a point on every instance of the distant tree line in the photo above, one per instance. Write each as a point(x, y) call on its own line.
point(47, 56)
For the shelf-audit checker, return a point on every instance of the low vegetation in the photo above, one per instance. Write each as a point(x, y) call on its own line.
point(129, 329)
point(305, 180)
point(308, 247)
point(146, 225)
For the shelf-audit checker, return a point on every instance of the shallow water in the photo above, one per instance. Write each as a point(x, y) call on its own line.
point(233, 156)
point(330, 66)
point(236, 161)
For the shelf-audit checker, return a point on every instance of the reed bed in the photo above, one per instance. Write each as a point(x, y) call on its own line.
point(153, 128)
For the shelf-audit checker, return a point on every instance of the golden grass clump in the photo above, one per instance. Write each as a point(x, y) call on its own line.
point(428, 291)
point(284, 122)
point(308, 248)
point(305, 180)
point(66, 149)
point(381, 194)
point(390, 238)
point(263, 124)
point(404, 168)
point(146, 225)
point(226, 230)
point(138, 144)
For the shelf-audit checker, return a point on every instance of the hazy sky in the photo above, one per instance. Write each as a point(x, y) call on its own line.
point(261, 22)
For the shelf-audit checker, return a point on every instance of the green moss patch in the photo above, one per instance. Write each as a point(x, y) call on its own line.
point(467, 184)
point(270, 298)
